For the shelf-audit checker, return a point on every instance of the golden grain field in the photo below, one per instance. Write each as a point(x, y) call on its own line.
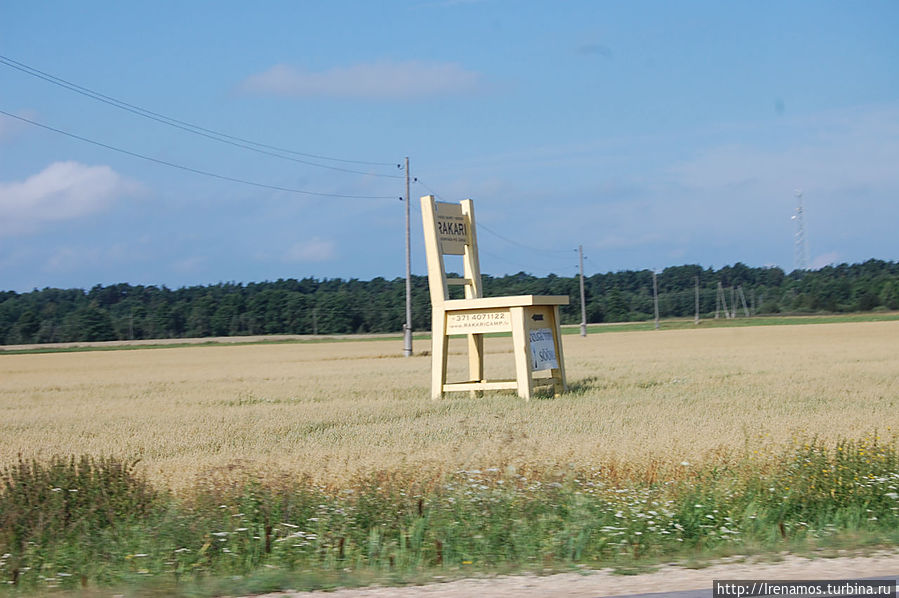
point(337, 409)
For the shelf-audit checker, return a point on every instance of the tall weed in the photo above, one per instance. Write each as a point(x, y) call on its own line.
point(95, 522)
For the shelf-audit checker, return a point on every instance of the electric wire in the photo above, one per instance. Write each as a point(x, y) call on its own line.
point(522, 245)
point(189, 168)
point(481, 250)
point(422, 183)
point(517, 264)
point(483, 226)
point(214, 135)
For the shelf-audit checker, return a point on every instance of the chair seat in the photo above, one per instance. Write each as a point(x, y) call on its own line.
point(500, 302)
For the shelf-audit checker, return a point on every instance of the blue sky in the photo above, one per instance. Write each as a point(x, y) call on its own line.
point(652, 133)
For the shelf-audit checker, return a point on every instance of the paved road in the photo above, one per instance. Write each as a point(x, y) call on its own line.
point(683, 582)
point(707, 593)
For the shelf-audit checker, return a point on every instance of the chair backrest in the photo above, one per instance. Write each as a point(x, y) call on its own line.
point(450, 230)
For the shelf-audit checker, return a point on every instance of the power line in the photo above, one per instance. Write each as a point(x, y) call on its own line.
point(522, 245)
point(261, 148)
point(483, 226)
point(189, 168)
point(526, 268)
point(422, 183)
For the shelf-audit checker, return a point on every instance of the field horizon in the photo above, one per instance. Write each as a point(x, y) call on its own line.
point(642, 403)
point(425, 335)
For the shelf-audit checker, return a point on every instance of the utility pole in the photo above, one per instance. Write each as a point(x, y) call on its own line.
point(721, 302)
point(655, 297)
point(742, 296)
point(696, 317)
point(407, 327)
point(733, 304)
point(580, 254)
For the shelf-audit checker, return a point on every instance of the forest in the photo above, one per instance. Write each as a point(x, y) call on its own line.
point(337, 306)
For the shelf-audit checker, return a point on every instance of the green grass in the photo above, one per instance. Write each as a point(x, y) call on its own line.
point(94, 523)
point(687, 323)
point(570, 329)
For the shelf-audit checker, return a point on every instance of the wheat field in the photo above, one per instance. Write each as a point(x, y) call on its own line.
point(639, 400)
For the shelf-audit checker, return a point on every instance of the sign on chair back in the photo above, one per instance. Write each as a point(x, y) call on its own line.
point(533, 320)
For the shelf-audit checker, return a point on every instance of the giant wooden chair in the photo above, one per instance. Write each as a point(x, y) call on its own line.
point(533, 320)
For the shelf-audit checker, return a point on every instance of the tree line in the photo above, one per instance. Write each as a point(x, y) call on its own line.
point(336, 306)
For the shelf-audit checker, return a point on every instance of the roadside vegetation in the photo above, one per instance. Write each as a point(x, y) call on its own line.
point(96, 523)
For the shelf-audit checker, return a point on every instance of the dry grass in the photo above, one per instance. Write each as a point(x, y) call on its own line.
point(640, 400)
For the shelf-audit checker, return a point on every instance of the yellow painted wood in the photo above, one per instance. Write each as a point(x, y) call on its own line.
point(478, 321)
point(449, 229)
point(505, 302)
point(474, 290)
point(453, 228)
point(476, 359)
point(439, 351)
point(436, 268)
point(561, 384)
point(472, 266)
point(475, 386)
point(522, 351)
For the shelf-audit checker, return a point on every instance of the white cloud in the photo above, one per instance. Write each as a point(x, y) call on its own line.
point(737, 197)
point(858, 147)
point(62, 191)
point(10, 126)
point(312, 250)
point(377, 80)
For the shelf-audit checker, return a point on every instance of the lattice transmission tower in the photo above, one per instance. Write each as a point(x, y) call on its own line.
point(800, 249)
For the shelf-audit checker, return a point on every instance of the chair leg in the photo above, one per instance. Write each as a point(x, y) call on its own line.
point(439, 350)
point(476, 361)
point(522, 351)
point(561, 383)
